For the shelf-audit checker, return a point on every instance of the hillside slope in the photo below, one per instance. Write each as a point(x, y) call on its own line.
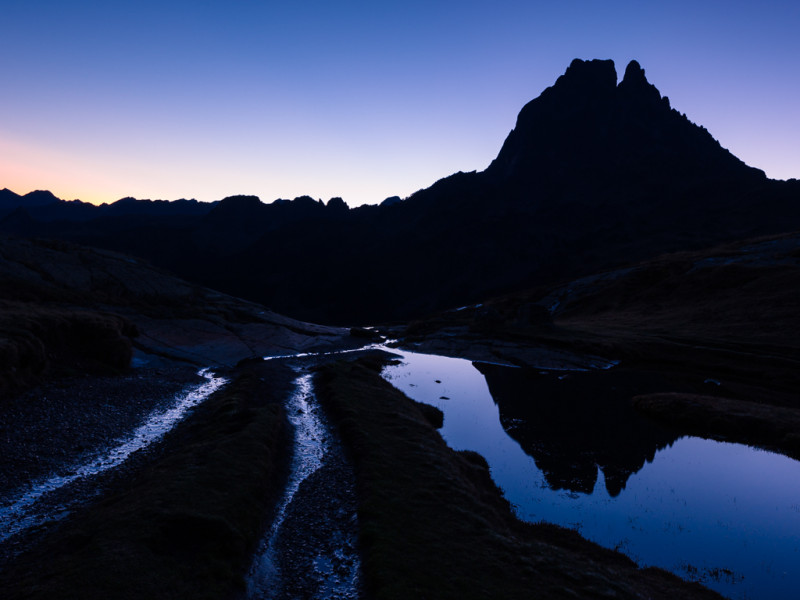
point(66, 308)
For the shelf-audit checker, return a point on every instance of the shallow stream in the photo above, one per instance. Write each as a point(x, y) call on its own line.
point(45, 500)
point(310, 550)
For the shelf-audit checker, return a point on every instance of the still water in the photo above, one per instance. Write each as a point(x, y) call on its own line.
point(568, 449)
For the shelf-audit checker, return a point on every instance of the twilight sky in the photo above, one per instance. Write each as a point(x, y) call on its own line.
point(363, 100)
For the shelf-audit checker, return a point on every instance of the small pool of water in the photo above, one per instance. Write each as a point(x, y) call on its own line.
point(571, 451)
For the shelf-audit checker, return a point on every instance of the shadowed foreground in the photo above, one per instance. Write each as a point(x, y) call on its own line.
point(185, 525)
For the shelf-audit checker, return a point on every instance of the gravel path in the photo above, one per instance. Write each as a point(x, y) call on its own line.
point(317, 544)
point(311, 550)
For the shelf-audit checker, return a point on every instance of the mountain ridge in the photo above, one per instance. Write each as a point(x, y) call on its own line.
point(595, 174)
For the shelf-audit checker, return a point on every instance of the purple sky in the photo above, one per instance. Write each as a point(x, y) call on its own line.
point(361, 100)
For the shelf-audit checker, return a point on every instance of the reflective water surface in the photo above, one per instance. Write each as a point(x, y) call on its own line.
point(310, 446)
point(568, 449)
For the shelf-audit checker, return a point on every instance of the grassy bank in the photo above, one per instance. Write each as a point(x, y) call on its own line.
point(773, 427)
point(186, 525)
point(38, 340)
point(723, 321)
point(433, 525)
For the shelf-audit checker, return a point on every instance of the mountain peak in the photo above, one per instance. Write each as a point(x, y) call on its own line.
point(584, 76)
point(635, 85)
point(587, 126)
point(41, 196)
point(634, 73)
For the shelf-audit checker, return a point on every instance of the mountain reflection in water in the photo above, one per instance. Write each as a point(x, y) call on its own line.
point(573, 423)
point(566, 448)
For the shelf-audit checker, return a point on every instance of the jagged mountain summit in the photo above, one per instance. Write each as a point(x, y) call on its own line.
point(588, 134)
point(596, 173)
point(586, 119)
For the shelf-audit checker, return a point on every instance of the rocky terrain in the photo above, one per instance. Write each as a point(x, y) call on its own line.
point(93, 343)
point(182, 520)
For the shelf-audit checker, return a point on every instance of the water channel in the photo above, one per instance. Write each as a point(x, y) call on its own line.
point(328, 568)
point(40, 501)
point(564, 446)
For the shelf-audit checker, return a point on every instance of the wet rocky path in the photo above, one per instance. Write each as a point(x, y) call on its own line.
point(310, 551)
point(103, 426)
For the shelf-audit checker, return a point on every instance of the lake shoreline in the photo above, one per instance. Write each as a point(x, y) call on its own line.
point(749, 390)
point(434, 523)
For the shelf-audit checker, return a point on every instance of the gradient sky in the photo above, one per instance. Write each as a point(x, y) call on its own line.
point(362, 100)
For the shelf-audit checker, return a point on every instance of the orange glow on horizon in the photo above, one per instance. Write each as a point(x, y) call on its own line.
point(27, 167)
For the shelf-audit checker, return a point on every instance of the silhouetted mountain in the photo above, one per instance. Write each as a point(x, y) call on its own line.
point(132, 206)
point(572, 425)
point(588, 125)
point(391, 200)
point(7, 196)
point(45, 207)
point(595, 174)
point(10, 201)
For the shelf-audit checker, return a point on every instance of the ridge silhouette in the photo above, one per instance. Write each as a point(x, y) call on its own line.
point(595, 174)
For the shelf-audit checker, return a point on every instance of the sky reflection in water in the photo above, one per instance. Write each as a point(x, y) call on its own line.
point(725, 514)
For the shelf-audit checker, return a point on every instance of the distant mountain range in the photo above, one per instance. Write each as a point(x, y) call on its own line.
point(44, 206)
point(596, 174)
